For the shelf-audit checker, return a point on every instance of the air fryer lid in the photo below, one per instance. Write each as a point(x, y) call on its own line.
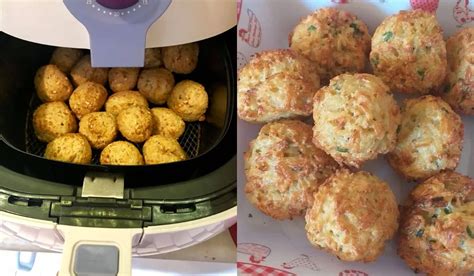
point(213, 142)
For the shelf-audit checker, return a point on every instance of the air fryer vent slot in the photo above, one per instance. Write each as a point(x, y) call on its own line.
point(178, 208)
point(189, 141)
point(23, 201)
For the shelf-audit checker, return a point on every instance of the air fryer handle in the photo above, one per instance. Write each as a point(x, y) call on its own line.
point(97, 251)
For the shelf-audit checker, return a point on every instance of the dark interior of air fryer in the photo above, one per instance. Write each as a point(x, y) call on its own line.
point(208, 144)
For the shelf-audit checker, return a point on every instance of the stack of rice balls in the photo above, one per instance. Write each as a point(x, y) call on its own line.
point(133, 116)
point(295, 168)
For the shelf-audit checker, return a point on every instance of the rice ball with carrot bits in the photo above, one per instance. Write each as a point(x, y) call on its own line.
point(409, 53)
point(276, 84)
point(284, 169)
point(337, 41)
point(355, 118)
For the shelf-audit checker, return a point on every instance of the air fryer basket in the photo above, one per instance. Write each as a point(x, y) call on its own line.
point(208, 144)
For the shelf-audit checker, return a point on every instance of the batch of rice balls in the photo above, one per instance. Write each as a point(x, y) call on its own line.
point(142, 106)
point(295, 169)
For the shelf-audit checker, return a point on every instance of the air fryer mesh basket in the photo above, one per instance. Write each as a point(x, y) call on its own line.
point(189, 141)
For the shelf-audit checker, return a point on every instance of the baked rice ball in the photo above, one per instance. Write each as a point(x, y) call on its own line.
point(284, 169)
point(51, 120)
point(160, 149)
point(155, 84)
point(437, 226)
point(66, 58)
point(121, 153)
point(167, 122)
point(459, 87)
point(100, 129)
point(152, 57)
point(337, 41)
point(181, 59)
point(409, 53)
point(122, 100)
point(52, 84)
point(355, 118)
point(86, 98)
point(71, 147)
point(189, 100)
point(135, 123)
point(123, 78)
point(429, 140)
point(352, 216)
point(274, 85)
point(83, 72)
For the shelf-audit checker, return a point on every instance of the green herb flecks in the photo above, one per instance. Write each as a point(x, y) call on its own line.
point(447, 88)
point(357, 31)
point(311, 28)
point(341, 149)
point(470, 232)
point(419, 233)
point(448, 209)
point(421, 73)
point(374, 61)
point(398, 129)
point(387, 36)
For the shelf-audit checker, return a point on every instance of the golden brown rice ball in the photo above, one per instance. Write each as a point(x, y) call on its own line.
point(355, 118)
point(352, 216)
point(437, 226)
point(337, 41)
point(66, 58)
point(52, 85)
point(429, 139)
point(181, 59)
point(86, 98)
point(121, 153)
point(459, 89)
point(124, 99)
point(167, 123)
point(189, 100)
point(123, 79)
point(135, 123)
point(409, 53)
point(71, 147)
point(274, 85)
point(51, 120)
point(83, 72)
point(152, 57)
point(161, 149)
point(284, 169)
point(155, 84)
point(100, 129)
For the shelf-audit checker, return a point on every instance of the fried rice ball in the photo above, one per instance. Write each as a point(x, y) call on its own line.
point(66, 58)
point(124, 99)
point(160, 149)
point(53, 119)
point(274, 85)
point(437, 226)
point(135, 123)
point(71, 147)
point(284, 169)
point(355, 118)
point(52, 84)
point(167, 122)
point(83, 72)
point(121, 153)
point(86, 98)
point(155, 84)
point(189, 100)
point(152, 57)
point(409, 53)
point(352, 216)
point(337, 41)
point(123, 79)
point(181, 59)
point(100, 129)
point(459, 89)
point(429, 140)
